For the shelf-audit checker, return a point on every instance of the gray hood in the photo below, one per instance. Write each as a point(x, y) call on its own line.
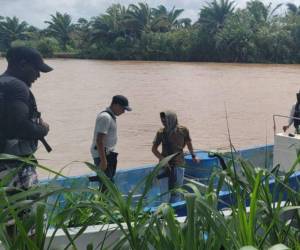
point(171, 121)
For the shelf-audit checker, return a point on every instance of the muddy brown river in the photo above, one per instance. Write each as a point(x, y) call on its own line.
point(201, 93)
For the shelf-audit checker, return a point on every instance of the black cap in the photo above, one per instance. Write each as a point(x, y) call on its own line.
point(121, 100)
point(30, 55)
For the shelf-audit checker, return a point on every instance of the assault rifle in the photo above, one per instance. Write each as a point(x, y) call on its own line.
point(43, 140)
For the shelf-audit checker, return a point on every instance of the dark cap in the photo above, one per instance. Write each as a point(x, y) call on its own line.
point(121, 100)
point(16, 54)
point(162, 114)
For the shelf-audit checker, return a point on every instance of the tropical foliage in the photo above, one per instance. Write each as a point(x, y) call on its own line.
point(258, 32)
point(252, 219)
point(12, 29)
point(60, 27)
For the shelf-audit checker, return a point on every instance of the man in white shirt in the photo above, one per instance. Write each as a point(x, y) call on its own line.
point(105, 136)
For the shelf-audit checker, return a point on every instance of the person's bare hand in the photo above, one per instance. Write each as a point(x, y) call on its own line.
point(44, 124)
point(285, 128)
point(196, 160)
point(103, 165)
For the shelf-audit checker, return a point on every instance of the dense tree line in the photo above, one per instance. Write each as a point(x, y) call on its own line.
point(223, 32)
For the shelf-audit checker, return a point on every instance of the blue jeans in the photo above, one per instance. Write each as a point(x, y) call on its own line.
point(163, 184)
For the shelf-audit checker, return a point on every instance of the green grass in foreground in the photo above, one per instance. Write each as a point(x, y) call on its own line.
point(254, 220)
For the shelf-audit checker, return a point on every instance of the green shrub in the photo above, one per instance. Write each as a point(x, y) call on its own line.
point(18, 43)
point(47, 46)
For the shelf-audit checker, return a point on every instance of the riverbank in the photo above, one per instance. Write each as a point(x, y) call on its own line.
point(134, 58)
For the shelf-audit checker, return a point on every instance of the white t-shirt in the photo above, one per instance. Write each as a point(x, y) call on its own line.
point(107, 125)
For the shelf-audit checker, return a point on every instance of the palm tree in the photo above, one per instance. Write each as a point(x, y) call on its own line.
point(109, 25)
point(164, 20)
point(12, 29)
point(293, 9)
point(262, 13)
point(61, 28)
point(139, 18)
point(214, 14)
point(185, 22)
point(82, 33)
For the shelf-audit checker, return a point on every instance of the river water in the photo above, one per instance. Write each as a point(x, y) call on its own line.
point(201, 93)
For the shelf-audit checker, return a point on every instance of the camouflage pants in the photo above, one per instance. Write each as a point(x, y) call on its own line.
point(22, 177)
point(18, 176)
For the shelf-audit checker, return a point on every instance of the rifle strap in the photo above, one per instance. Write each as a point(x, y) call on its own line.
point(110, 113)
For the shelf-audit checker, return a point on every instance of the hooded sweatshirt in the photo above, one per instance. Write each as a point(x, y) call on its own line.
point(173, 138)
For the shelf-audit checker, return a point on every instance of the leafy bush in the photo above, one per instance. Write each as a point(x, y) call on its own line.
point(18, 43)
point(47, 46)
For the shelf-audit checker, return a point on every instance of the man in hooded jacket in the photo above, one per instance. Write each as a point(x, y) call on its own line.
point(173, 138)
